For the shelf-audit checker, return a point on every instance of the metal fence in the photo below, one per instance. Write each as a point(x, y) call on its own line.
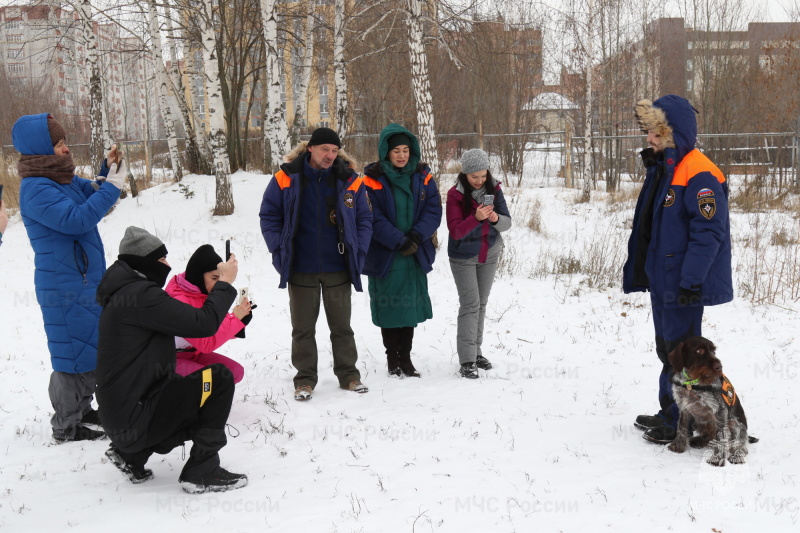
point(764, 158)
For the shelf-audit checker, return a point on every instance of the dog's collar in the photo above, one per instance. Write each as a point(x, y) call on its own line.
point(688, 383)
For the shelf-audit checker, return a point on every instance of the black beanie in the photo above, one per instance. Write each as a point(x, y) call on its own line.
point(398, 139)
point(324, 136)
point(203, 260)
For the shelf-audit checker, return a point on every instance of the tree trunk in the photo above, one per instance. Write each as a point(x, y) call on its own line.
point(421, 84)
point(216, 116)
point(302, 90)
point(340, 70)
point(95, 86)
point(201, 137)
point(193, 156)
point(163, 93)
point(276, 133)
point(587, 134)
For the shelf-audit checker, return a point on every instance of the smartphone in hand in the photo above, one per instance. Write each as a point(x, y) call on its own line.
point(244, 294)
point(488, 199)
point(1, 192)
point(227, 250)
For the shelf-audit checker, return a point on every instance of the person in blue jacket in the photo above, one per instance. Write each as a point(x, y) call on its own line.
point(61, 212)
point(317, 222)
point(680, 246)
point(406, 212)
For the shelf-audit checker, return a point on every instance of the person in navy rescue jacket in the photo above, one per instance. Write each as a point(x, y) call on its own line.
point(680, 246)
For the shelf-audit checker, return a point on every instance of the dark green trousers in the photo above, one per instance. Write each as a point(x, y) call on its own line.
point(304, 299)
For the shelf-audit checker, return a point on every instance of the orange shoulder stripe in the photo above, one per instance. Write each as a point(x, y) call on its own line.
point(428, 178)
point(372, 183)
point(283, 179)
point(355, 185)
point(692, 164)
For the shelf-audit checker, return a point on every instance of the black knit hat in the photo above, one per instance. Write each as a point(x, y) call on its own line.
point(324, 136)
point(203, 260)
point(56, 130)
point(398, 139)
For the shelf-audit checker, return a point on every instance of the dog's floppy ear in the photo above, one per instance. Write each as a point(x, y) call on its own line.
point(676, 357)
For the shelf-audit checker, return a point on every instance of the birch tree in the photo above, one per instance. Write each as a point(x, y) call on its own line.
point(421, 84)
point(194, 157)
point(216, 115)
point(163, 94)
point(340, 69)
point(307, 38)
point(276, 133)
point(96, 145)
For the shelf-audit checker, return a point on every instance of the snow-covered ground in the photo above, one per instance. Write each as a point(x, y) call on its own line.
point(542, 442)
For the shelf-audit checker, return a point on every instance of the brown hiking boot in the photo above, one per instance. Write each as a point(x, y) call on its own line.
point(357, 386)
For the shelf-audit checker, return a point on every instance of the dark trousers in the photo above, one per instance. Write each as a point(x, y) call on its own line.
point(194, 407)
point(398, 344)
point(71, 397)
point(304, 300)
point(673, 326)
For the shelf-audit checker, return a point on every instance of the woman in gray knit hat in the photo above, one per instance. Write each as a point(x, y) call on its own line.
point(476, 215)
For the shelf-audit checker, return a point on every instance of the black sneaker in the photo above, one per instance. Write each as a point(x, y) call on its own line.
point(80, 432)
point(220, 480)
point(645, 422)
point(662, 434)
point(92, 418)
point(469, 371)
point(136, 474)
point(483, 363)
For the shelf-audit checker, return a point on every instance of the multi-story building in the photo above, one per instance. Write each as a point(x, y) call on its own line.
point(43, 45)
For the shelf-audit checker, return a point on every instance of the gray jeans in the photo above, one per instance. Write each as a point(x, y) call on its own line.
point(304, 300)
point(474, 283)
point(71, 396)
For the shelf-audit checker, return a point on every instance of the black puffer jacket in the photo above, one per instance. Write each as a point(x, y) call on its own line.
point(136, 347)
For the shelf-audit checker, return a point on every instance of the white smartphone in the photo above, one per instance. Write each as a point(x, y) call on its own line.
point(488, 199)
point(244, 294)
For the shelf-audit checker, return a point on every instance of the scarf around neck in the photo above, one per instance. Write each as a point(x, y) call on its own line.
point(59, 168)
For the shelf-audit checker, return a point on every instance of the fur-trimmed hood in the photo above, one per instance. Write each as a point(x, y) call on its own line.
point(301, 147)
point(673, 117)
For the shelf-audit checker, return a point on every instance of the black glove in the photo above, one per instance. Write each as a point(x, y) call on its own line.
point(414, 236)
point(689, 297)
point(245, 320)
point(408, 247)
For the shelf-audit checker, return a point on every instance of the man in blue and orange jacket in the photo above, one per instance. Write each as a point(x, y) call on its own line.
point(680, 246)
point(317, 222)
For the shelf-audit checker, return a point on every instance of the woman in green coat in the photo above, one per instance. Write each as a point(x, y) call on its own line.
point(406, 212)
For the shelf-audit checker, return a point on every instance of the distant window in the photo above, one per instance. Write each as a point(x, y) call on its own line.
point(690, 85)
point(19, 53)
point(14, 25)
point(689, 65)
point(16, 67)
point(14, 38)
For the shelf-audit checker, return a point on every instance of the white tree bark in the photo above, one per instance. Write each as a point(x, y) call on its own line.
point(193, 154)
point(195, 68)
point(302, 90)
point(587, 134)
point(276, 133)
point(163, 92)
point(216, 115)
point(340, 69)
point(421, 85)
point(95, 84)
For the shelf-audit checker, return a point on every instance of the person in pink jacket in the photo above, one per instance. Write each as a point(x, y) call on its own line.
point(192, 287)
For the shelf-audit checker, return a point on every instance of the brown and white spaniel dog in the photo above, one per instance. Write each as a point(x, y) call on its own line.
point(704, 395)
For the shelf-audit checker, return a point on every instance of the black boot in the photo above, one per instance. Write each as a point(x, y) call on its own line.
point(405, 340)
point(393, 363)
point(202, 472)
point(390, 342)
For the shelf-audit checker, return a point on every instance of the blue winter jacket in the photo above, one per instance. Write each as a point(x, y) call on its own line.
point(280, 212)
point(386, 238)
point(690, 244)
point(61, 221)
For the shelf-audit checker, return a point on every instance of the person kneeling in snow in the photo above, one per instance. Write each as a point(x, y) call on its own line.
point(192, 287)
point(145, 406)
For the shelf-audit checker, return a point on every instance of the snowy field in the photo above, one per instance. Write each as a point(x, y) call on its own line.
point(543, 442)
